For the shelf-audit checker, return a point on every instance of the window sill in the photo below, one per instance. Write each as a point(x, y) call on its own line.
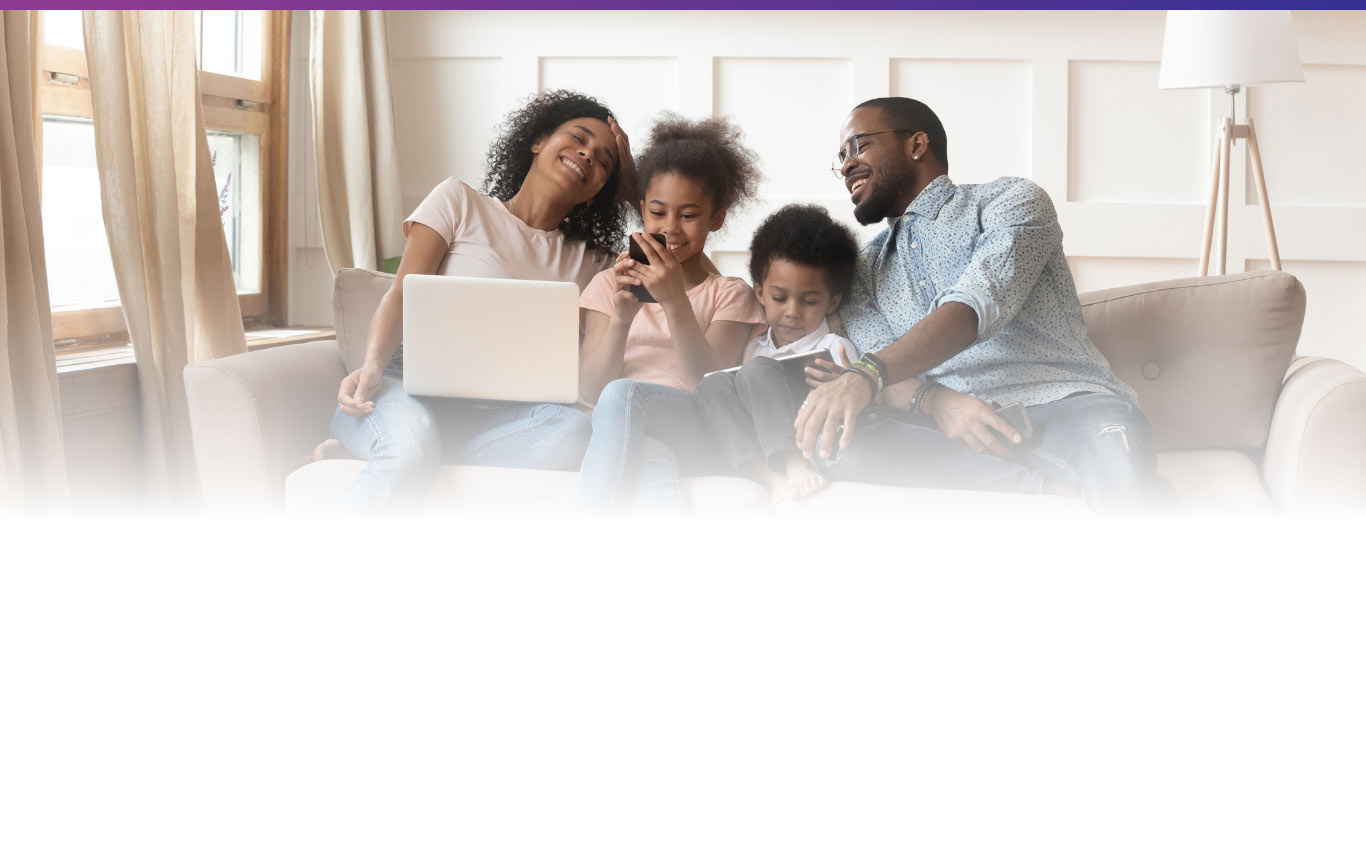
point(115, 355)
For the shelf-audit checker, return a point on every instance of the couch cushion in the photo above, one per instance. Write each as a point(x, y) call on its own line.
point(1213, 480)
point(355, 298)
point(854, 499)
point(472, 489)
point(1206, 355)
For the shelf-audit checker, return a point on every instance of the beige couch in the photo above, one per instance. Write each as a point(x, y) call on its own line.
point(1239, 422)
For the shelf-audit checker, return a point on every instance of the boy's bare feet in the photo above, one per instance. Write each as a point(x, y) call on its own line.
point(802, 480)
point(329, 449)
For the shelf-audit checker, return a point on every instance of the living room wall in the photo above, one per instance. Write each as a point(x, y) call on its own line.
point(1068, 99)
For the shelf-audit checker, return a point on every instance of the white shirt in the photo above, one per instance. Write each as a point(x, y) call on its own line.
point(819, 339)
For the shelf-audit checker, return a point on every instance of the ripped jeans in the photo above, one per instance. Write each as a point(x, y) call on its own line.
point(1097, 445)
point(405, 438)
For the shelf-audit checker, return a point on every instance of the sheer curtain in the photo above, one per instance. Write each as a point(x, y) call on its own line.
point(32, 469)
point(359, 198)
point(161, 215)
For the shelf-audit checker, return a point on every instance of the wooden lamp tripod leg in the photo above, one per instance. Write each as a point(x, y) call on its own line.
point(1213, 203)
point(1260, 180)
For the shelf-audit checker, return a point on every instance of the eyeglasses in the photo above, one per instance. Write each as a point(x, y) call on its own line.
point(852, 148)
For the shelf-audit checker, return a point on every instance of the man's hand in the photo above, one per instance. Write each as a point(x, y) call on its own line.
point(970, 421)
point(356, 390)
point(827, 409)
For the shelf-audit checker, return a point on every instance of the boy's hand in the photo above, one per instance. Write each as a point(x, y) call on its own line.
point(822, 371)
point(663, 277)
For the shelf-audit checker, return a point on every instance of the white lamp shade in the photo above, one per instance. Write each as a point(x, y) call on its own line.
point(1204, 49)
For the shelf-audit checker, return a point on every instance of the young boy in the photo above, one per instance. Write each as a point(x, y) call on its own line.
point(802, 264)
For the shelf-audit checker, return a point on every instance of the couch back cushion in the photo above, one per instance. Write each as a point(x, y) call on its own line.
point(1206, 355)
point(355, 297)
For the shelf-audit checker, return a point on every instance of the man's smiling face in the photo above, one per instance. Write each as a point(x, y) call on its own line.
point(879, 176)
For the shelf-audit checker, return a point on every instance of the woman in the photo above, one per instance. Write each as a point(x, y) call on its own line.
point(552, 208)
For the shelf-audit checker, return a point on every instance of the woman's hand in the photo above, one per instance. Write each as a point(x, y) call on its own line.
point(357, 389)
point(626, 192)
point(663, 277)
point(822, 371)
point(970, 421)
point(625, 304)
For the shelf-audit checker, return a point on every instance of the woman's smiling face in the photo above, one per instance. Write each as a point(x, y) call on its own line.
point(680, 209)
point(579, 156)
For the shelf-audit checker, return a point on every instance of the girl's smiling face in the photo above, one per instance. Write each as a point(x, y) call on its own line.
point(681, 210)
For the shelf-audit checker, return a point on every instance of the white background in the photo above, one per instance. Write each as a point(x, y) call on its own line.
point(1068, 99)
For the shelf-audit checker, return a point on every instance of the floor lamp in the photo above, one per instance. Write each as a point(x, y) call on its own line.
point(1229, 50)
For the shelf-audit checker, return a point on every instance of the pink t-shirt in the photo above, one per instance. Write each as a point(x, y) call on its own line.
point(650, 354)
point(486, 240)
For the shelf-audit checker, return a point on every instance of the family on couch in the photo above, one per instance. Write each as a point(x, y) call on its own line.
point(962, 303)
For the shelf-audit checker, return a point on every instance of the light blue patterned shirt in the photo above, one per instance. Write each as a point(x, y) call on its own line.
point(997, 248)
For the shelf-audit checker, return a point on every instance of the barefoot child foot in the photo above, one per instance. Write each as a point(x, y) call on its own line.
point(802, 479)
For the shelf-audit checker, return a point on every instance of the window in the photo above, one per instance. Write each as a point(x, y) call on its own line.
point(243, 82)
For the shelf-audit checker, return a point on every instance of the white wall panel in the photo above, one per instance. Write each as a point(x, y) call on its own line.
point(635, 89)
point(1068, 98)
point(1312, 138)
point(791, 111)
point(732, 263)
point(1128, 142)
point(445, 113)
point(986, 108)
point(1093, 273)
point(1335, 306)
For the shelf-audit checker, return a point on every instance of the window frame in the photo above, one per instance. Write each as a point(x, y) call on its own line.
point(230, 104)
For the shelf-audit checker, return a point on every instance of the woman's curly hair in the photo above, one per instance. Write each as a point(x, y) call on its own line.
point(602, 221)
point(709, 151)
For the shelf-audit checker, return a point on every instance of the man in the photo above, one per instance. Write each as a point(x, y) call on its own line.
point(965, 301)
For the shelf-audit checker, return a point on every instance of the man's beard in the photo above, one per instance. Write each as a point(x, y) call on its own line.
point(877, 205)
point(882, 190)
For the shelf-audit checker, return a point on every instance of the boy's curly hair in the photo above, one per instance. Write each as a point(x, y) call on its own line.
point(807, 235)
point(602, 221)
point(709, 151)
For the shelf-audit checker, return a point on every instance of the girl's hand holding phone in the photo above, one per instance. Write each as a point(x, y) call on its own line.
point(663, 277)
point(625, 305)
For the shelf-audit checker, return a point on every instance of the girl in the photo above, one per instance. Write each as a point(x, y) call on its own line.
point(641, 361)
point(550, 210)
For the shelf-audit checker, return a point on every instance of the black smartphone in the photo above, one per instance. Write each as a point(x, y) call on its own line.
point(638, 253)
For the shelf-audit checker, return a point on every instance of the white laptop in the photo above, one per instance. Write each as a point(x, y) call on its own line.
point(491, 339)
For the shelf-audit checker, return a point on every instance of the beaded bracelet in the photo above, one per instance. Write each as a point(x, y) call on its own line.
point(917, 404)
point(863, 372)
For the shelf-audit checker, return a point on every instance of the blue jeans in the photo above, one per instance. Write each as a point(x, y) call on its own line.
point(405, 438)
point(645, 437)
point(1098, 445)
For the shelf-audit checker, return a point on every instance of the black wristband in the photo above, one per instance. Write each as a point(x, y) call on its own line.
point(863, 372)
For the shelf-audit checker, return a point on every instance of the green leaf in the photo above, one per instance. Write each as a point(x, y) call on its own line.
point(390, 266)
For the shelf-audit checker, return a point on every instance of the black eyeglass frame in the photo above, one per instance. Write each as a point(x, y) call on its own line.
point(843, 155)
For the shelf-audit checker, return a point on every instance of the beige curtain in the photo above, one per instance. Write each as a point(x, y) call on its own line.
point(32, 470)
point(161, 215)
point(353, 139)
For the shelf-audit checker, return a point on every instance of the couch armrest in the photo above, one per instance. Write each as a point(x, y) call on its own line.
point(256, 416)
point(1316, 450)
